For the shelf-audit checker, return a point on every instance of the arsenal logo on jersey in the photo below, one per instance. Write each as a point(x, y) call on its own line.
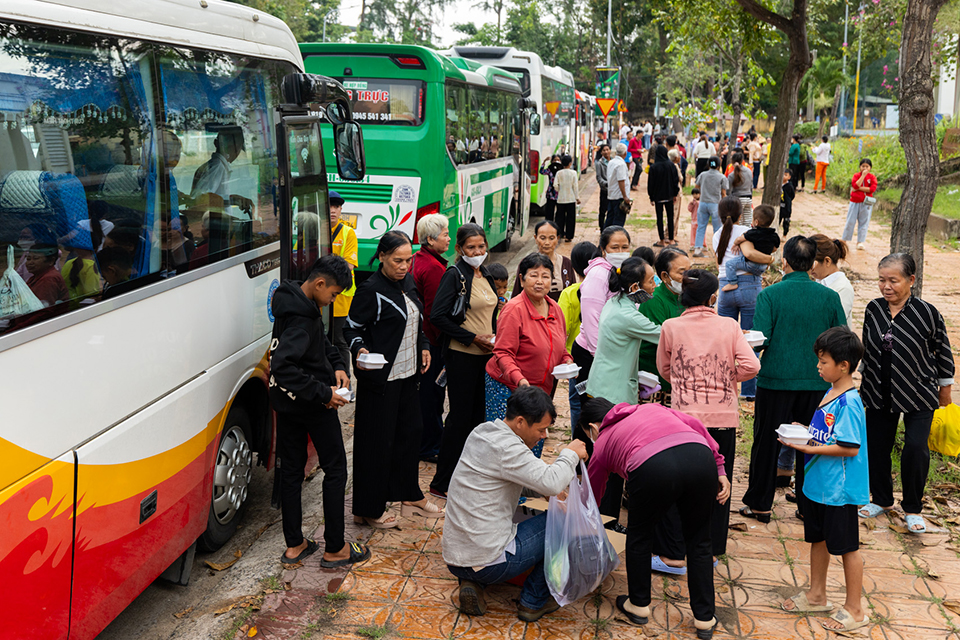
point(829, 419)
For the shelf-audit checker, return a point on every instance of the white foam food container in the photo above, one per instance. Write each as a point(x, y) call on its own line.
point(647, 379)
point(755, 338)
point(372, 360)
point(345, 393)
point(565, 371)
point(793, 433)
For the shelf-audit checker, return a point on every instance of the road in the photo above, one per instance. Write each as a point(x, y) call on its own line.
point(170, 612)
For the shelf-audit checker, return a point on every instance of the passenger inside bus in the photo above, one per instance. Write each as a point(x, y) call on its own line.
point(214, 176)
point(45, 281)
point(115, 264)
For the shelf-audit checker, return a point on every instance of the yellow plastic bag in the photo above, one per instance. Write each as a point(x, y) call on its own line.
point(945, 431)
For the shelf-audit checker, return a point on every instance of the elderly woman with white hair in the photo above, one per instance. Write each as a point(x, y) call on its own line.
point(429, 265)
point(618, 190)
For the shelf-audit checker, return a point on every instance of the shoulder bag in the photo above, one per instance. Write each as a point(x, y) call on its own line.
point(459, 310)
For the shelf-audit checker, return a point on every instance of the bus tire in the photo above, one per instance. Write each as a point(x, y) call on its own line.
point(232, 473)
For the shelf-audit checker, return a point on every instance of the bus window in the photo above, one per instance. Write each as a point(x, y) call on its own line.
point(457, 123)
point(76, 169)
point(386, 101)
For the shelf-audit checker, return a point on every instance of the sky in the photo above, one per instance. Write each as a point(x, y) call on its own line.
point(459, 11)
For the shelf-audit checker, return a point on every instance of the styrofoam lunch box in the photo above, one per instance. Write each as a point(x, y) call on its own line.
point(755, 338)
point(793, 433)
point(372, 360)
point(565, 371)
point(647, 379)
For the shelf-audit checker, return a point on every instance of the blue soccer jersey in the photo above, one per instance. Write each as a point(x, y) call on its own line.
point(835, 480)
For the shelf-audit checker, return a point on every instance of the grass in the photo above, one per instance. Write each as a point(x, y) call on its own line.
point(941, 471)
point(745, 437)
point(338, 596)
point(373, 632)
point(946, 203)
point(239, 622)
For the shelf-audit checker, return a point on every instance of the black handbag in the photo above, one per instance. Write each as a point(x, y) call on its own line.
point(459, 310)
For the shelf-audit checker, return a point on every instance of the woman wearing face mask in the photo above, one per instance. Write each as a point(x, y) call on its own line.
point(704, 355)
point(531, 340)
point(594, 293)
point(467, 343)
point(386, 317)
point(547, 235)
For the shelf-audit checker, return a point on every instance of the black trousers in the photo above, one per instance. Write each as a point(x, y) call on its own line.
point(914, 459)
point(323, 427)
point(773, 408)
point(802, 178)
point(386, 444)
point(431, 405)
point(340, 342)
point(685, 476)
point(468, 402)
point(702, 164)
point(668, 537)
point(567, 219)
point(638, 163)
point(615, 217)
point(603, 206)
point(796, 174)
point(665, 208)
point(549, 209)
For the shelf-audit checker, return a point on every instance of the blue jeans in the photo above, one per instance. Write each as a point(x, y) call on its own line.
point(574, 404)
point(787, 459)
point(529, 553)
point(858, 215)
point(756, 174)
point(741, 304)
point(707, 211)
point(615, 217)
point(742, 264)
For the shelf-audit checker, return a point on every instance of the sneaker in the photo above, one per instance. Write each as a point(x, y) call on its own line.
point(472, 600)
point(532, 615)
point(613, 525)
point(861, 246)
point(698, 253)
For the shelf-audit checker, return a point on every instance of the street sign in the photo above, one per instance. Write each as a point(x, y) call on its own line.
point(622, 108)
point(606, 105)
point(608, 88)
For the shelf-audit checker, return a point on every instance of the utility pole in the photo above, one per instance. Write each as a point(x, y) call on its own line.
point(609, 28)
point(843, 90)
point(856, 89)
point(325, 18)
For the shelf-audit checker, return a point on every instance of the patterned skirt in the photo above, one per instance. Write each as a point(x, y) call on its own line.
point(497, 394)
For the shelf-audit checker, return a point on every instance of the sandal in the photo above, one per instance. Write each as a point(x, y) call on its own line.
point(658, 565)
point(428, 510)
point(358, 553)
point(632, 617)
point(849, 624)
point(705, 629)
point(386, 521)
point(802, 605)
point(790, 496)
point(747, 512)
point(872, 510)
point(915, 520)
point(306, 553)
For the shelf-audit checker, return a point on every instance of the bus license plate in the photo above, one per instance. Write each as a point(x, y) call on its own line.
point(350, 219)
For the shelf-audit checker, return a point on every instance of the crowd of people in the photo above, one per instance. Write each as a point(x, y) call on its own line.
point(419, 330)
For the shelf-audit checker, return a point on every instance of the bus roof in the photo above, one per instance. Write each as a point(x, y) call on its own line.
point(208, 24)
point(437, 65)
point(512, 57)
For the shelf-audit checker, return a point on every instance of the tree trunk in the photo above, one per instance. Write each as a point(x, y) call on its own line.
point(735, 101)
point(917, 133)
point(833, 113)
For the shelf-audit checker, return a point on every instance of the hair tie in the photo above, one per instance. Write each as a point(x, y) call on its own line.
point(618, 270)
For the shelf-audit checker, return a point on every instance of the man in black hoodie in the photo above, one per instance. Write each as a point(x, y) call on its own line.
point(306, 374)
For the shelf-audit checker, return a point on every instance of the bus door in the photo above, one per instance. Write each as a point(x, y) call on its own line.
point(529, 125)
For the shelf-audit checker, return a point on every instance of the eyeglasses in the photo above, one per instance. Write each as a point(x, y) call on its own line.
point(888, 340)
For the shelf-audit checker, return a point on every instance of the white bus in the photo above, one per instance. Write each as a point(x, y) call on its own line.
point(552, 88)
point(158, 165)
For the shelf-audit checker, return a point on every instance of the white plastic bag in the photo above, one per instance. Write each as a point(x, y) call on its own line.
point(577, 554)
point(16, 298)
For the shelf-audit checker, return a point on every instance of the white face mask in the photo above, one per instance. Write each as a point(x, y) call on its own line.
point(616, 259)
point(475, 261)
point(675, 286)
point(25, 244)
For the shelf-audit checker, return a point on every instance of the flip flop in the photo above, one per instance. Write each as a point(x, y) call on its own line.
point(658, 565)
point(632, 617)
point(871, 510)
point(849, 624)
point(802, 605)
point(914, 520)
point(747, 512)
point(358, 553)
point(309, 551)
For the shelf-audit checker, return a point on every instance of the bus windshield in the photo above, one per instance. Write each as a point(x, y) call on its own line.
point(523, 76)
point(386, 101)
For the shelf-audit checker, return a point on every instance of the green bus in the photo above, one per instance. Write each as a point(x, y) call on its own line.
point(442, 135)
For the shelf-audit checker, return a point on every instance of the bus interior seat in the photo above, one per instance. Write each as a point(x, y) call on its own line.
point(56, 200)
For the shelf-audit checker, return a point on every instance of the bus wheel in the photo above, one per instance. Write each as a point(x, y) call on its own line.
point(231, 479)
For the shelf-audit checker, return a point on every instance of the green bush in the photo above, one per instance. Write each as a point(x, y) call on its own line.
point(884, 152)
point(807, 129)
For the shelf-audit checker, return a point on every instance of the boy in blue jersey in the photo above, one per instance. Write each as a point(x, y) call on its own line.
point(836, 482)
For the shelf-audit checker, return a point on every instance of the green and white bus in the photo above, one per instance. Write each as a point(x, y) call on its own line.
point(552, 90)
point(441, 136)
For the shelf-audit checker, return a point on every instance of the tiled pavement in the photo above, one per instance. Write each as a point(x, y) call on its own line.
point(406, 590)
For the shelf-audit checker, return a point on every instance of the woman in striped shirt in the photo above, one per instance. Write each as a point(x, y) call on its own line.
point(908, 369)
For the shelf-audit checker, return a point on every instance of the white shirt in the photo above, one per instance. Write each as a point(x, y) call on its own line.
point(623, 131)
point(737, 231)
point(822, 152)
point(703, 150)
point(616, 171)
point(566, 183)
point(838, 282)
point(647, 129)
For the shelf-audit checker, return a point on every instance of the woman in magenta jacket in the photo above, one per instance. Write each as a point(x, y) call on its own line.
point(704, 356)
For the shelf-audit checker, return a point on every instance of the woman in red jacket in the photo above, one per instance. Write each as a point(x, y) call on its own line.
point(531, 340)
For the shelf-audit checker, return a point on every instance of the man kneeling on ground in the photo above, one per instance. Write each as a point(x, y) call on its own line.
point(481, 543)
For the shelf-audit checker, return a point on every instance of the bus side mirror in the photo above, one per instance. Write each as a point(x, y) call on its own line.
point(534, 124)
point(351, 164)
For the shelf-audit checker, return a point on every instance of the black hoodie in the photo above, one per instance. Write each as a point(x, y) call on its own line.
point(663, 183)
point(302, 361)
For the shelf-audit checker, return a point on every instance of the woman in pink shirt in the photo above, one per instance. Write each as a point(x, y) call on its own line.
point(667, 458)
point(531, 340)
point(704, 356)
